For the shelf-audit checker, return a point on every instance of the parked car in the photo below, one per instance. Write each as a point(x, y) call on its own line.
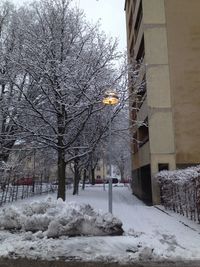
point(114, 181)
point(69, 181)
point(55, 182)
point(125, 181)
point(99, 181)
point(23, 181)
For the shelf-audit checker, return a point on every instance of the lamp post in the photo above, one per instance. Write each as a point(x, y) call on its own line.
point(110, 99)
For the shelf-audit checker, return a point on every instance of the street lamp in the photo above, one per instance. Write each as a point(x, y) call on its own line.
point(110, 99)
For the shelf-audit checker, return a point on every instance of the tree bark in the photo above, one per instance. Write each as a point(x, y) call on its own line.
point(61, 151)
point(84, 178)
point(61, 174)
point(76, 179)
point(93, 176)
point(122, 174)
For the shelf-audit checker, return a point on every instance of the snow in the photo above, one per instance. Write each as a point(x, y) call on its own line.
point(181, 191)
point(179, 176)
point(57, 218)
point(150, 232)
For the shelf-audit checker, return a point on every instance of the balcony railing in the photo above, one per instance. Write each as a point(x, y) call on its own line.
point(138, 20)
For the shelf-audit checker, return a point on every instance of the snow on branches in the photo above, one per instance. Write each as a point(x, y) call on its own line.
point(55, 67)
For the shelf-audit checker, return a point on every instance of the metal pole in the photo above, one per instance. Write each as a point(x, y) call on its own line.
point(110, 154)
point(33, 186)
point(104, 180)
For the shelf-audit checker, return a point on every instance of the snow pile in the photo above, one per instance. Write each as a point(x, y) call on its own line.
point(55, 218)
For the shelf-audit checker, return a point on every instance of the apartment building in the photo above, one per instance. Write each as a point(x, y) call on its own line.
point(165, 34)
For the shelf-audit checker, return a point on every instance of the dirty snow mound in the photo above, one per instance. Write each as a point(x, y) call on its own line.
point(58, 218)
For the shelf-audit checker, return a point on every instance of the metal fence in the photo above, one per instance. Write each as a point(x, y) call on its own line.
point(11, 191)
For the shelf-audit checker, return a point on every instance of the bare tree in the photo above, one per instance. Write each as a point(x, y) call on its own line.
point(11, 42)
point(67, 65)
point(55, 69)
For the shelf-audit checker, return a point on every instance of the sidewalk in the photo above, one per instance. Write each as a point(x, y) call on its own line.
point(194, 226)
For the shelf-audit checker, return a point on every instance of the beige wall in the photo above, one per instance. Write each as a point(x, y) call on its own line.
point(161, 132)
point(161, 128)
point(101, 170)
point(172, 55)
point(154, 12)
point(155, 44)
point(159, 84)
point(183, 33)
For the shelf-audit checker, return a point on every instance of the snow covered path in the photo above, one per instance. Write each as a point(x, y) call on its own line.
point(150, 234)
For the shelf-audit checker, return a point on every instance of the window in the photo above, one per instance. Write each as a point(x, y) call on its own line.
point(163, 166)
point(98, 168)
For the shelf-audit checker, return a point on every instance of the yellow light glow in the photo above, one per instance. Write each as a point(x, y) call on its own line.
point(111, 98)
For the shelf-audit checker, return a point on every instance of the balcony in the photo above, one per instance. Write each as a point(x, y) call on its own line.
point(143, 109)
point(144, 154)
point(143, 133)
point(130, 23)
point(138, 20)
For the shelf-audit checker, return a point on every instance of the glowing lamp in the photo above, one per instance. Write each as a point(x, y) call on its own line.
point(111, 98)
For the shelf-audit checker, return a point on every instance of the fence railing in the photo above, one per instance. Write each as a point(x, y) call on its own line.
point(10, 192)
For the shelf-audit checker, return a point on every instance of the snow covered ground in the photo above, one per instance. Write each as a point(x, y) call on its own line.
point(150, 233)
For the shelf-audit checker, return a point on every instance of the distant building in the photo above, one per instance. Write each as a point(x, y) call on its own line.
point(25, 161)
point(102, 171)
point(166, 35)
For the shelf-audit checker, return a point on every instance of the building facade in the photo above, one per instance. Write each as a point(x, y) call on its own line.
point(165, 34)
point(102, 171)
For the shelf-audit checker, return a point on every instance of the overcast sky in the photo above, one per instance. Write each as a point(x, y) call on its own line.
point(111, 15)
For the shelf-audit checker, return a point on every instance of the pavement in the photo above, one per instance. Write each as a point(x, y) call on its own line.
point(37, 263)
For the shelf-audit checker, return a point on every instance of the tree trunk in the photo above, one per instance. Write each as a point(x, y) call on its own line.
point(7, 131)
point(76, 179)
point(84, 178)
point(61, 174)
point(61, 116)
point(93, 176)
point(122, 174)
